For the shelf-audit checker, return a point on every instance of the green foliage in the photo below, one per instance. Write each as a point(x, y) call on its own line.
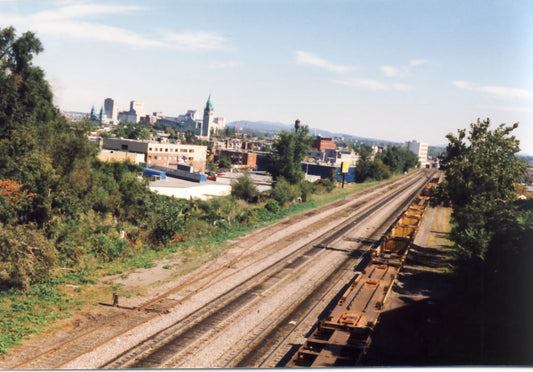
point(288, 152)
point(393, 160)
point(379, 170)
point(272, 206)
point(284, 192)
point(481, 170)
point(324, 185)
point(170, 215)
point(244, 188)
point(492, 233)
point(398, 159)
point(482, 167)
point(109, 248)
point(224, 162)
point(26, 256)
point(307, 189)
point(136, 131)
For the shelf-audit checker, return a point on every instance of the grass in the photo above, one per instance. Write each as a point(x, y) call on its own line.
point(25, 314)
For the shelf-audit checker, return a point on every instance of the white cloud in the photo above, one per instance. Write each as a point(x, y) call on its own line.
point(389, 71)
point(372, 84)
point(81, 11)
point(195, 40)
point(99, 32)
point(65, 22)
point(505, 92)
point(402, 87)
point(418, 62)
point(304, 58)
point(222, 65)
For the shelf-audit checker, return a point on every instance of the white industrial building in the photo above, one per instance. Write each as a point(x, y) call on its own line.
point(420, 149)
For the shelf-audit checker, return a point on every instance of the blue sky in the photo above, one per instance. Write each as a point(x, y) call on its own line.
point(395, 70)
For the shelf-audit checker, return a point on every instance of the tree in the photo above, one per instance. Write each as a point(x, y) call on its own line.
point(224, 162)
point(399, 160)
point(288, 152)
point(492, 234)
point(130, 130)
point(363, 169)
point(481, 170)
point(26, 109)
point(244, 188)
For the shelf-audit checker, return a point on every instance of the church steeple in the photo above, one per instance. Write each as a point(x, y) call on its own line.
point(102, 114)
point(208, 119)
point(92, 116)
point(208, 105)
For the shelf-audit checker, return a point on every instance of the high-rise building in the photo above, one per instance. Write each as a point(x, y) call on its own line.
point(420, 149)
point(208, 119)
point(111, 109)
point(137, 107)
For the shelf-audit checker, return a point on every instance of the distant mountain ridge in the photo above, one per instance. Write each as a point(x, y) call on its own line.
point(275, 127)
point(267, 126)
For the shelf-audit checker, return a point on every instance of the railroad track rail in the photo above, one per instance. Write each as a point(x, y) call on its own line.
point(90, 341)
point(179, 344)
point(276, 346)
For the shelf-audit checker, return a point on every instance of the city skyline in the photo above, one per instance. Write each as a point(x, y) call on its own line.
point(395, 71)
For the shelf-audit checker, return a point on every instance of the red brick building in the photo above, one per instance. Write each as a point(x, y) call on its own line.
point(323, 143)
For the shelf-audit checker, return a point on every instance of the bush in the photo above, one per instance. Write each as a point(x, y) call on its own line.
point(324, 184)
point(109, 249)
point(244, 188)
point(272, 206)
point(308, 188)
point(284, 193)
point(26, 256)
point(169, 218)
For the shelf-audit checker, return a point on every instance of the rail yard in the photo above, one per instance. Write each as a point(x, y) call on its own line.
point(255, 305)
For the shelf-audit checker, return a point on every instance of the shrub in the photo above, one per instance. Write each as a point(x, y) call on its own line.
point(308, 188)
point(244, 188)
point(272, 206)
point(109, 249)
point(324, 184)
point(283, 192)
point(26, 256)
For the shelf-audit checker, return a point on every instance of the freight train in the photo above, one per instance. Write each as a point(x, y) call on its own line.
point(341, 338)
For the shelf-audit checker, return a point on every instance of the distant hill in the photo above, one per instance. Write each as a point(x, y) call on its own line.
point(275, 127)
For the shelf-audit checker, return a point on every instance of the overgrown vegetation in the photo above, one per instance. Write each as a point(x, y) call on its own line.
point(492, 234)
point(67, 218)
point(393, 160)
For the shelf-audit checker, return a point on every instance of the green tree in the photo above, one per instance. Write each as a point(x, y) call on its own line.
point(398, 159)
point(130, 130)
point(481, 170)
point(189, 136)
point(492, 234)
point(363, 169)
point(26, 109)
point(224, 162)
point(288, 152)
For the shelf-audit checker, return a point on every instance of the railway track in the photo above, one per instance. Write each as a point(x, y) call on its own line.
point(277, 343)
point(207, 317)
point(171, 348)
